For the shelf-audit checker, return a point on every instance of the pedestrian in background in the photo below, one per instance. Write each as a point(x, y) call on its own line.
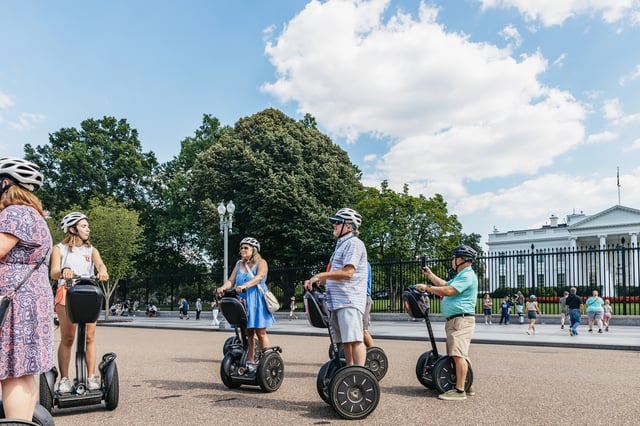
point(532, 313)
point(606, 314)
point(564, 312)
point(595, 310)
point(576, 308)
point(215, 311)
point(292, 309)
point(487, 305)
point(198, 308)
point(505, 310)
point(520, 306)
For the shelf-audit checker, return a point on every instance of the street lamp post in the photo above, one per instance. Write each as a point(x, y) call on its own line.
point(226, 228)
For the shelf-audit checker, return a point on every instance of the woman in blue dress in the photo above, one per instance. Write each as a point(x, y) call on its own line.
point(249, 273)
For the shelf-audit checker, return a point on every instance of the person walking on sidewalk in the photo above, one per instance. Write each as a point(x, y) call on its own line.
point(564, 313)
point(198, 308)
point(576, 308)
point(458, 307)
point(606, 315)
point(595, 310)
point(532, 313)
point(215, 311)
point(292, 309)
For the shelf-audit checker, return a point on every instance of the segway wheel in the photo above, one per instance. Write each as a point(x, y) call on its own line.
point(355, 392)
point(227, 366)
point(377, 362)
point(326, 373)
point(444, 373)
point(424, 371)
point(112, 395)
point(46, 397)
point(270, 372)
point(233, 340)
point(41, 416)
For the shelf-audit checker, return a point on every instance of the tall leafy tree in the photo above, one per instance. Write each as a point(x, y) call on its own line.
point(173, 218)
point(400, 226)
point(285, 178)
point(103, 158)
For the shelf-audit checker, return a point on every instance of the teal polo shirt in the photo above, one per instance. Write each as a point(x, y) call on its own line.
point(466, 282)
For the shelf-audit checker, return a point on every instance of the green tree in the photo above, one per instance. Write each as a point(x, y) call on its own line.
point(174, 241)
point(117, 233)
point(285, 178)
point(101, 159)
point(399, 226)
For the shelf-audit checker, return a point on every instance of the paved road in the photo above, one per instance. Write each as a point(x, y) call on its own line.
point(169, 374)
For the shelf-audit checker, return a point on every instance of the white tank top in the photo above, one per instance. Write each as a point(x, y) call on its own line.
point(79, 260)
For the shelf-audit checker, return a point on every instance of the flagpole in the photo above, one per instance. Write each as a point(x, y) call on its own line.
point(618, 177)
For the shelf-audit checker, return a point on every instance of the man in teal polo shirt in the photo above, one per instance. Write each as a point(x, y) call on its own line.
point(458, 307)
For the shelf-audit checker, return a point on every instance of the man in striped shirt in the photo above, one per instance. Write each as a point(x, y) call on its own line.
point(346, 285)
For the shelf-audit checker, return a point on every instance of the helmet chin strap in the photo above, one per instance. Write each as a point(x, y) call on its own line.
point(342, 233)
point(78, 235)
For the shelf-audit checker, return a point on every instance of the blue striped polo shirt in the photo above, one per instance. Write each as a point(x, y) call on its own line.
point(352, 292)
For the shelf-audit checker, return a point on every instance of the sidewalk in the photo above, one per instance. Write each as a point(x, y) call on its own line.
point(398, 328)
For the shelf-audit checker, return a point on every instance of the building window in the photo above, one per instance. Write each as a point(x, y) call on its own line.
point(521, 280)
point(540, 280)
point(562, 279)
point(502, 280)
point(520, 260)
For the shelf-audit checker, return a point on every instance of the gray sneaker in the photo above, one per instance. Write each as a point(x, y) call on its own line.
point(65, 385)
point(471, 391)
point(453, 395)
point(93, 383)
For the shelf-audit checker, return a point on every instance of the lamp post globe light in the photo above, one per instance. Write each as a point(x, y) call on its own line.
point(226, 228)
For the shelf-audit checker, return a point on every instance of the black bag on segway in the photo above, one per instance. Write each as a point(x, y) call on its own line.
point(84, 302)
point(416, 303)
point(315, 306)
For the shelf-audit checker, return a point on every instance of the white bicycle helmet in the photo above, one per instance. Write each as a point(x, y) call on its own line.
point(23, 172)
point(347, 215)
point(251, 241)
point(71, 219)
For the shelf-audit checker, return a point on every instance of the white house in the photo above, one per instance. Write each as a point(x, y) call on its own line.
point(596, 250)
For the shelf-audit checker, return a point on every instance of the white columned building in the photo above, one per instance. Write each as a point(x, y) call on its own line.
point(599, 250)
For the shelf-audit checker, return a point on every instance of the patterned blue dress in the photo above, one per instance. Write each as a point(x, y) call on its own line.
point(259, 315)
point(26, 342)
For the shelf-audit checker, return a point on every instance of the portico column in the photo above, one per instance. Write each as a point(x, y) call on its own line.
point(604, 266)
point(634, 249)
point(572, 263)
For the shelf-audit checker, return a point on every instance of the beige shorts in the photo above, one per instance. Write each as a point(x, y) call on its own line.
point(459, 333)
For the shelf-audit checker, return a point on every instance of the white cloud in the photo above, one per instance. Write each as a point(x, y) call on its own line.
point(605, 136)
point(26, 121)
point(457, 111)
point(559, 62)
point(370, 157)
point(614, 112)
point(5, 100)
point(636, 144)
point(634, 75)
point(511, 34)
point(533, 201)
point(555, 12)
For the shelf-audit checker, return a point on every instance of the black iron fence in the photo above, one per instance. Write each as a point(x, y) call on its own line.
point(547, 273)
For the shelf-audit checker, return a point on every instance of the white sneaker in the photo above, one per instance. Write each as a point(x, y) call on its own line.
point(65, 385)
point(93, 383)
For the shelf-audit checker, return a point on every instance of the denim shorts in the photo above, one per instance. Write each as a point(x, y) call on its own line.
point(595, 314)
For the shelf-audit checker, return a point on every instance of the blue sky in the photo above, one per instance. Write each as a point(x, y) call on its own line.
point(514, 110)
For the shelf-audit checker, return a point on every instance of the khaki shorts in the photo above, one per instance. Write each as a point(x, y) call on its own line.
point(459, 333)
point(347, 325)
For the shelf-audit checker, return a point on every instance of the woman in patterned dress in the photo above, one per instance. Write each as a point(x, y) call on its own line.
point(26, 339)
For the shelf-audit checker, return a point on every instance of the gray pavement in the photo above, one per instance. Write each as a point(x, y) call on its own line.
point(397, 327)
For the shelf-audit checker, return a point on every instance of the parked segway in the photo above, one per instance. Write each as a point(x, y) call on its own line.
point(83, 305)
point(352, 391)
point(40, 417)
point(268, 372)
point(433, 370)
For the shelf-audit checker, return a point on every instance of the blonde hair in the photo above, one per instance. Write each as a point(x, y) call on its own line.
point(72, 241)
point(17, 195)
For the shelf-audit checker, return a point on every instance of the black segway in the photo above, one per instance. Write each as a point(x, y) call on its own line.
point(376, 361)
point(83, 304)
point(433, 370)
point(352, 391)
point(40, 417)
point(268, 372)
